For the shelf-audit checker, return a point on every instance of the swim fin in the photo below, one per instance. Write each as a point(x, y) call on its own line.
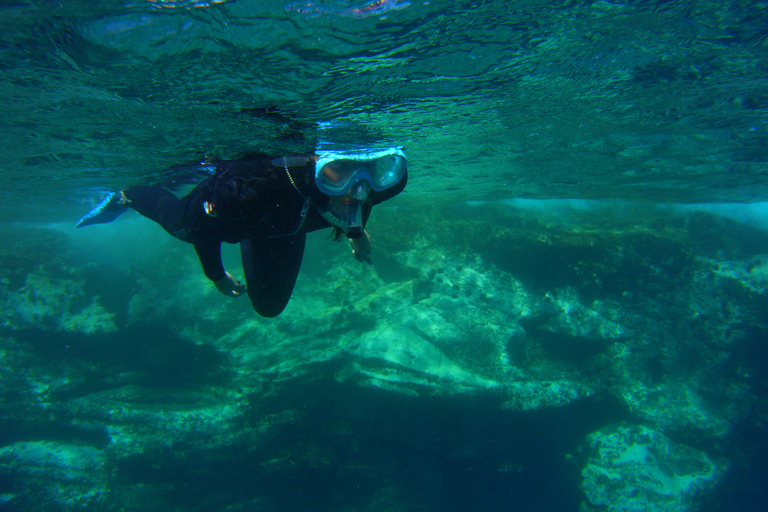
point(106, 211)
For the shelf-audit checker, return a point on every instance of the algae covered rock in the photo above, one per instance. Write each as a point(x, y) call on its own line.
point(752, 274)
point(70, 475)
point(676, 409)
point(55, 304)
point(632, 467)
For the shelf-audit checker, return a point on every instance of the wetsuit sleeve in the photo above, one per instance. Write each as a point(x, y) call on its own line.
point(209, 253)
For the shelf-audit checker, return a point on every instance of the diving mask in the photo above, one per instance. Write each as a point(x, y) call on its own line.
point(338, 173)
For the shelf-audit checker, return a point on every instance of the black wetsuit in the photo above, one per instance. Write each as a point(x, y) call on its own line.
point(271, 233)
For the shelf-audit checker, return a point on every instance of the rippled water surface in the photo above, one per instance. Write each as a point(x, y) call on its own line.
point(657, 101)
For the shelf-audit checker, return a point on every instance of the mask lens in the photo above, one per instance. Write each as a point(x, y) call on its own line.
point(389, 170)
point(337, 175)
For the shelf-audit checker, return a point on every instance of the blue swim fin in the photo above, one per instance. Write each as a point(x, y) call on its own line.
point(106, 211)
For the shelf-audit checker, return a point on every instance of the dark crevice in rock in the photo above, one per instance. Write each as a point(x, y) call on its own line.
point(332, 445)
point(14, 431)
point(155, 353)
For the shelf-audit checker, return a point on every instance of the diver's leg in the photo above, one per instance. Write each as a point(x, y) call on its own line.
point(271, 267)
point(155, 203)
point(158, 204)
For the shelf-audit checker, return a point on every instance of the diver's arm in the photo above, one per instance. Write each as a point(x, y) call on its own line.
point(209, 253)
point(361, 248)
point(230, 286)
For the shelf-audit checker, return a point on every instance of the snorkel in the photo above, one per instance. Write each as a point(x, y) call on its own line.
point(346, 212)
point(345, 215)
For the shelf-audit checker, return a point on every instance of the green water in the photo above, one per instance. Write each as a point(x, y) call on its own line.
point(566, 308)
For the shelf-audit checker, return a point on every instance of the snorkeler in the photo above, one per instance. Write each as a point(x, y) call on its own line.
point(268, 204)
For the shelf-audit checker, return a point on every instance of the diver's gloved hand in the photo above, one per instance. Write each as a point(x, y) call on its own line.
point(229, 286)
point(361, 248)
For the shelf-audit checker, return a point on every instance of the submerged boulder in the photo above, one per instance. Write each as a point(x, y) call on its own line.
point(53, 303)
point(676, 409)
point(632, 467)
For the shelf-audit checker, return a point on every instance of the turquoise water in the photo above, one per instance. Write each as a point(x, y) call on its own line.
point(567, 306)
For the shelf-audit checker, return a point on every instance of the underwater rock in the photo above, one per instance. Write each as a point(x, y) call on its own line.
point(633, 467)
point(55, 304)
point(533, 395)
point(137, 428)
point(391, 270)
point(677, 410)
point(599, 263)
point(569, 330)
point(454, 341)
point(719, 237)
point(751, 274)
point(49, 474)
point(191, 384)
point(575, 320)
point(406, 358)
point(465, 336)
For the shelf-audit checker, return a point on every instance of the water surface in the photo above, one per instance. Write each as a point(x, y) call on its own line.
point(652, 101)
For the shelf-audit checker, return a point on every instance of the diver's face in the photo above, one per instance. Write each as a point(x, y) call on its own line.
point(342, 174)
point(333, 171)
